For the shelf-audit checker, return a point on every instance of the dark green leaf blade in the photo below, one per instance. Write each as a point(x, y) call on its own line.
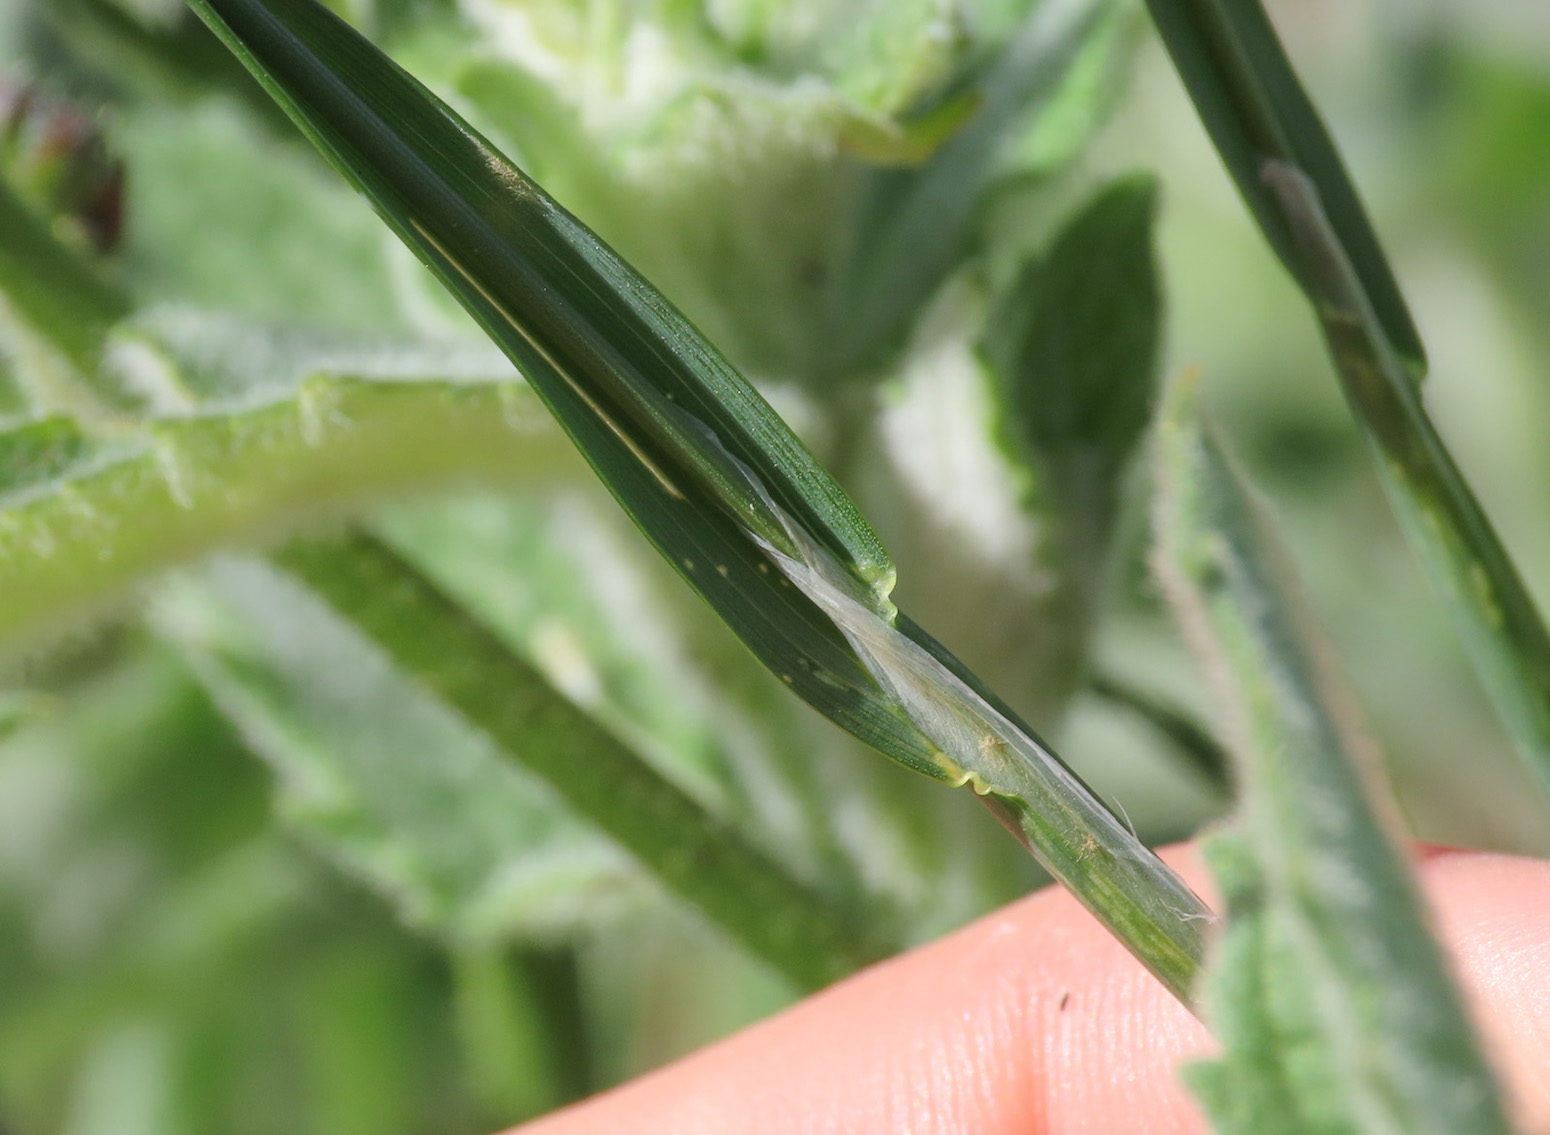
point(1334, 1003)
point(1251, 102)
point(1074, 349)
point(635, 385)
point(1500, 624)
point(440, 649)
point(1286, 167)
point(699, 460)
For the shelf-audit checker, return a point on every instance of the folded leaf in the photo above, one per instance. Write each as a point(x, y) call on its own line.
point(708, 471)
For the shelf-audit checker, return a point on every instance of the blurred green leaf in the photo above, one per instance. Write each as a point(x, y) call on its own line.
point(1333, 1003)
point(1200, 750)
point(1256, 111)
point(706, 468)
point(85, 516)
point(690, 850)
point(521, 1009)
point(758, 183)
point(52, 292)
point(1500, 623)
point(220, 209)
point(916, 224)
point(383, 780)
point(1074, 345)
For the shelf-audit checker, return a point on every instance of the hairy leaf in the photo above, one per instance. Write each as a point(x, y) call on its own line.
point(381, 778)
point(84, 515)
point(1332, 1000)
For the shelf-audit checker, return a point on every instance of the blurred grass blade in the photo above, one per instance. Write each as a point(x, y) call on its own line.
point(1243, 85)
point(435, 646)
point(707, 470)
point(1501, 625)
point(1333, 1002)
point(1286, 167)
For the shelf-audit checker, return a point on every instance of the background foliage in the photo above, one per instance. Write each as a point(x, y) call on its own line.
point(233, 893)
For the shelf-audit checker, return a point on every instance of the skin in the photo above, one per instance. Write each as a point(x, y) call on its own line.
point(1032, 1021)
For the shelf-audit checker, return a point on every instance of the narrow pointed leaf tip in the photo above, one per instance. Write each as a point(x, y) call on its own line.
point(700, 462)
point(1256, 111)
point(687, 446)
point(596, 339)
point(1333, 1002)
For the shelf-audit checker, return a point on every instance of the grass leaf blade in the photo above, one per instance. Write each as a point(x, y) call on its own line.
point(1286, 167)
point(671, 429)
point(1255, 110)
point(1501, 625)
point(701, 463)
point(695, 855)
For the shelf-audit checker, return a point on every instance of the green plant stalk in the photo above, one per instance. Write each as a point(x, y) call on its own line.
point(465, 665)
point(190, 485)
point(701, 463)
point(1288, 170)
point(1501, 626)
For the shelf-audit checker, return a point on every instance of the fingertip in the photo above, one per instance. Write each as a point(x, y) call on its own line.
point(1032, 1020)
point(1493, 912)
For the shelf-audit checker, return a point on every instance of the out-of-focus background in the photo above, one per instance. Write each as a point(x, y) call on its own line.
point(194, 938)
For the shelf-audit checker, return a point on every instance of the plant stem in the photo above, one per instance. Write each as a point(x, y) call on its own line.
point(692, 852)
